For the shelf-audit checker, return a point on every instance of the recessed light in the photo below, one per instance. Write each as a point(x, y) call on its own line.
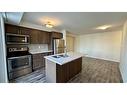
point(104, 27)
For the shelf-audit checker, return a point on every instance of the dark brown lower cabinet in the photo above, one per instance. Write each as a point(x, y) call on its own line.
point(67, 71)
point(39, 60)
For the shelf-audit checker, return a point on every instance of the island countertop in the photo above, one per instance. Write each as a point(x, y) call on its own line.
point(63, 60)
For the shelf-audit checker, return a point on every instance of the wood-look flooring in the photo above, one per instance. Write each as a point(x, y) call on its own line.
point(37, 76)
point(98, 71)
point(93, 71)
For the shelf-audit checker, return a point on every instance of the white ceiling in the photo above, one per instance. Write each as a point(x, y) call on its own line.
point(12, 17)
point(77, 22)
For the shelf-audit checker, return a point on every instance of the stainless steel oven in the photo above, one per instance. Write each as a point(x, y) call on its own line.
point(17, 39)
point(20, 62)
point(19, 66)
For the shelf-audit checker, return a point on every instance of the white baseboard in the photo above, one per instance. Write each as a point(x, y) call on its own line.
point(102, 58)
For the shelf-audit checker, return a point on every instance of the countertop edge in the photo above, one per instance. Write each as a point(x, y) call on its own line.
point(41, 52)
point(72, 57)
point(63, 62)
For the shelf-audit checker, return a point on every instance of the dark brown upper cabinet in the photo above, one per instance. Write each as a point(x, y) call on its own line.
point(24, 31)
point(16, 29)
point(43, 37)
point(11, 29)
point(39, 37)
point(36, 36)
point(57, 35)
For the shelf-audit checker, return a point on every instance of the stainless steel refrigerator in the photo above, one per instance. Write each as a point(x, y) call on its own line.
point(59, 46)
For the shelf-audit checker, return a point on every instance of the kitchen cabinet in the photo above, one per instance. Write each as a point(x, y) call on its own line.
point(36, 36)
point(39, 60)
point(67, 71)
point(62, 71)
point(39, 37)
point(16, 29)
point(57, 35)
point(43, 37)
point(54, 35)
point(11, 29)
point(24, 31)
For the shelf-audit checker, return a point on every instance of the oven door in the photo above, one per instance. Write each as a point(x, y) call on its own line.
point(17, 63)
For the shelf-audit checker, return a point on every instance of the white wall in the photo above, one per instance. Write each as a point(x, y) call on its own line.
point(3, 66)
point(100, 45)
point(123, 61)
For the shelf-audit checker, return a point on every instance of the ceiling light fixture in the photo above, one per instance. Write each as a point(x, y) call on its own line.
point(104, 27)
point(49, 25)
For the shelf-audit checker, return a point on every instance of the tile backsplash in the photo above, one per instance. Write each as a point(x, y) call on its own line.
point(38, 47)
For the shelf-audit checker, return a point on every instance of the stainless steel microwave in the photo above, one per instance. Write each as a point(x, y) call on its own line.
point(17, 39)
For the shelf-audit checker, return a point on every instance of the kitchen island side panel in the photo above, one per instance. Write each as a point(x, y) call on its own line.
point(50, 72)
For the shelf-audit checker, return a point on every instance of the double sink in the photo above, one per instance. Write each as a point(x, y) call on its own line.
point(60, 56)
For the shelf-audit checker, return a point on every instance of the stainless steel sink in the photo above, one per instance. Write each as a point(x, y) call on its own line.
point(56, 56)
point(64, 55)
point(59, 56)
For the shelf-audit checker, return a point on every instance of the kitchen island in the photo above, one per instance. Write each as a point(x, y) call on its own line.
point(61, 68)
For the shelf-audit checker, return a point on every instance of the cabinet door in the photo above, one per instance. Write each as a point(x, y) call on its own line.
point(24, 31)
point(37, 61)
point(43, 59)
point(11, 29)
point(43, 37)
point(57, 35)
point(79, 65)
point(47, 37)
point(67, 71)
point(43, 55)
point(62, 73)
point(34, 36)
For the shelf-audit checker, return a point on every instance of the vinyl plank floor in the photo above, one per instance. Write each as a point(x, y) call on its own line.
point(93, 71)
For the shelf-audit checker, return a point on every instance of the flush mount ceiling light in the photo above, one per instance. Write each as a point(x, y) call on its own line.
point(49, 25)
point(49, 22)
point(104, 27)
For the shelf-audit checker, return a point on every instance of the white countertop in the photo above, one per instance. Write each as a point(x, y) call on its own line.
point(35, 52)
point(62, 60)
